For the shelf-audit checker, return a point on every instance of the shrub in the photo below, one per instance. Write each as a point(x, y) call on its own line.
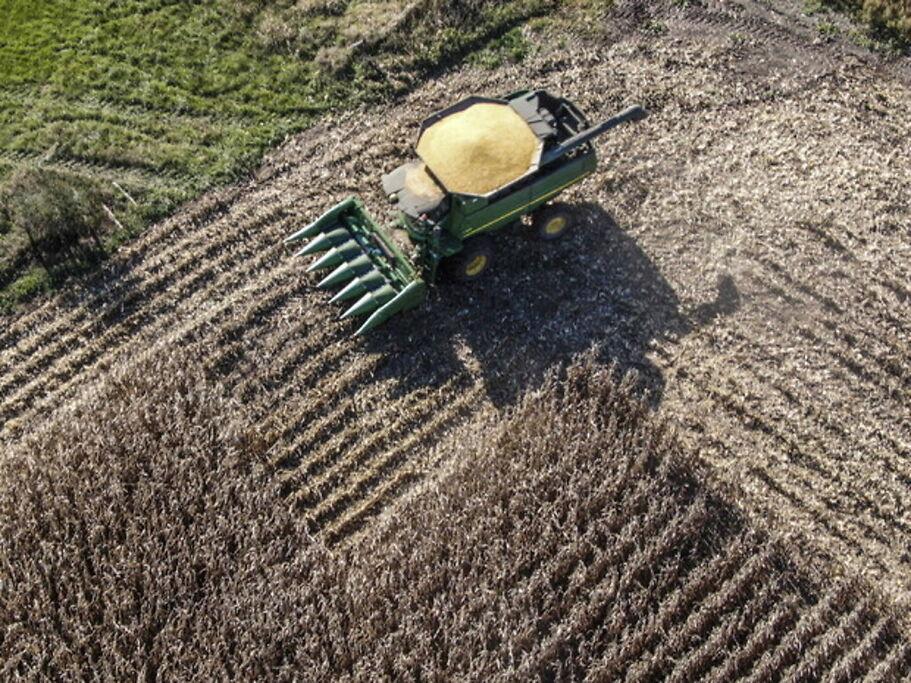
point(883, 15)
point(62, 216)
point(894, 14)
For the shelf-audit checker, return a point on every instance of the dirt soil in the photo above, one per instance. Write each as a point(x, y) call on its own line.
point(746, 250)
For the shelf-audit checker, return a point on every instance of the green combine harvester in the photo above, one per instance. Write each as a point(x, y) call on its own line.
point(483, 164)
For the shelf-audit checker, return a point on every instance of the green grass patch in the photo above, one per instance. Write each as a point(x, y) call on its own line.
point(169, 97)
point(887, 23)
point(892, 15)
point(35, 280)
point(511, 47)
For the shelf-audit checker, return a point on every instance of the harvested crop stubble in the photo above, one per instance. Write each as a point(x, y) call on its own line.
point(479, 149)
point(140, 538)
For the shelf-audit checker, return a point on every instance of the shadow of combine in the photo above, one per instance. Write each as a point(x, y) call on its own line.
point(542, 304)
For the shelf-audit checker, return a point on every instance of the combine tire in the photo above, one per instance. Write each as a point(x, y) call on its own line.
point(472, 262)
point(552, 222)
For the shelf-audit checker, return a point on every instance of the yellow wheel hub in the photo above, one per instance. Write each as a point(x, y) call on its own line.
point(555, 225)
point(476, 265)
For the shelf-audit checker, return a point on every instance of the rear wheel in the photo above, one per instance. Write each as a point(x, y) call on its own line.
point(472, 262)
point(552, 222)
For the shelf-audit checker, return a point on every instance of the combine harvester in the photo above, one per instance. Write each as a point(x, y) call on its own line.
point(483, 164)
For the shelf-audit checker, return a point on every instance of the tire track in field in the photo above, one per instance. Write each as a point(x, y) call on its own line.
point(89, 107)
point(108, 170)
point(859, 342)
point(882, 352)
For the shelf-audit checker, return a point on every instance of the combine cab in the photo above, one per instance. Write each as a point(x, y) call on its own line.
point(482, 164)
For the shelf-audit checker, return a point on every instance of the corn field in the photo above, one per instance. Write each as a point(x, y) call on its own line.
point(672, 446)
point(143, 533)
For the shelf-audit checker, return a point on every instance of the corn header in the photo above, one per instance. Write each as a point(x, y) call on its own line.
point(482, 164)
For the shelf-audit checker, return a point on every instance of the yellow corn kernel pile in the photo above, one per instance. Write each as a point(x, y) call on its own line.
point(419, 182)
point(479, 149)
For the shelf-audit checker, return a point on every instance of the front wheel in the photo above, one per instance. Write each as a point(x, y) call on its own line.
point(552, 222)
point(472, 262)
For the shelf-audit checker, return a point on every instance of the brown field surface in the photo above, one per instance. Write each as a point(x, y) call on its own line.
point(145, 534)
point(746, 250)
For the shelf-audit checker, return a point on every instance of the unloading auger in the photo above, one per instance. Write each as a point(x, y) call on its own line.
point(483, 164)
